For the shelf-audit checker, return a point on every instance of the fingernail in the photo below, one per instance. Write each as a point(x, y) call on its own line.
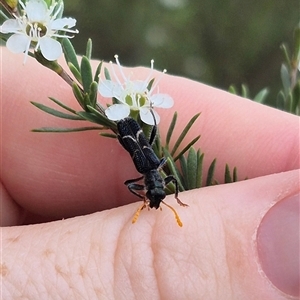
point(278, 245)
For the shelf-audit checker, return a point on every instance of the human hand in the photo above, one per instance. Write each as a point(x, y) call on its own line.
point(215, 255)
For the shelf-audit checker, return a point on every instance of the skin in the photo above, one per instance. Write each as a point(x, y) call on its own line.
point(92, 250)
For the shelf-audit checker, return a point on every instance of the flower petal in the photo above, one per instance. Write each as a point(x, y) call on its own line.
point(51, 49)
point(109, 89)
point(60, 24)
point(117, 112)
point(36, 10)
point(10, 26)
point(147, 117)
point(18, 43)
point(162, 100)
point(139, 86)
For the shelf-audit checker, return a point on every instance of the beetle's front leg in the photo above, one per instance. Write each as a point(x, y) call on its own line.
point(133, 187)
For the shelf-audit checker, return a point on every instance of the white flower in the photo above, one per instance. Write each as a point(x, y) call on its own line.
point(133, 95)
point(38, 26)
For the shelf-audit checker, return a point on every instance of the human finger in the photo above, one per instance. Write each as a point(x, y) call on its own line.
point(222, 249)
point(63, 175)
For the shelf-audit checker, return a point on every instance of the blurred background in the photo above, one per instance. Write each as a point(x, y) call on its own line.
point(216, 42)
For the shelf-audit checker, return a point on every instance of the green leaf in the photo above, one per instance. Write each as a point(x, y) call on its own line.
point(86, 100)
point(296, 53)
point(227, 178)
point(187, 147)
point(55, 112)
point(3, 17)
point(65, 130)
point(102, 119)
point(173, 168)
point(63, 105)
point(3, 39)
point(286, 54)
point(86, 73)
point(232, 89)
point(89, 117)
point(262, 95)
point(183, 165)
point(106, 74)
point(183, 134)
point(150, 84)
point(296, 99)
point(109, 135)
point(235, 176)
point(285, 77)
point(97, 73)
point(199, 171)
point(192, 169)
point(69, 52)
point(280, 101)
point(171, 129)
point(175, 172)
point(97, 117)
point(210, 175)
point(93, 93)
point(245, 91)
point(89, 47)
point(58, 12)
point(75, 72)
point(289, 102)
point(78, 94)
point(147, 130)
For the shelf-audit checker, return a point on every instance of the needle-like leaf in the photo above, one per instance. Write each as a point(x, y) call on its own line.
point(55, 112)
point(210, 175)
point(69, 52)
point(171, 129)
point(183, 134)
point(65, 130)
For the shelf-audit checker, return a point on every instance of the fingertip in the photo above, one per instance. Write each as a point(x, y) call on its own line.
point(278, 245)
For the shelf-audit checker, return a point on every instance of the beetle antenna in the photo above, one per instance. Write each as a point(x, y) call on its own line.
point(152, 113)
point(175, 213)
point(136, 215)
